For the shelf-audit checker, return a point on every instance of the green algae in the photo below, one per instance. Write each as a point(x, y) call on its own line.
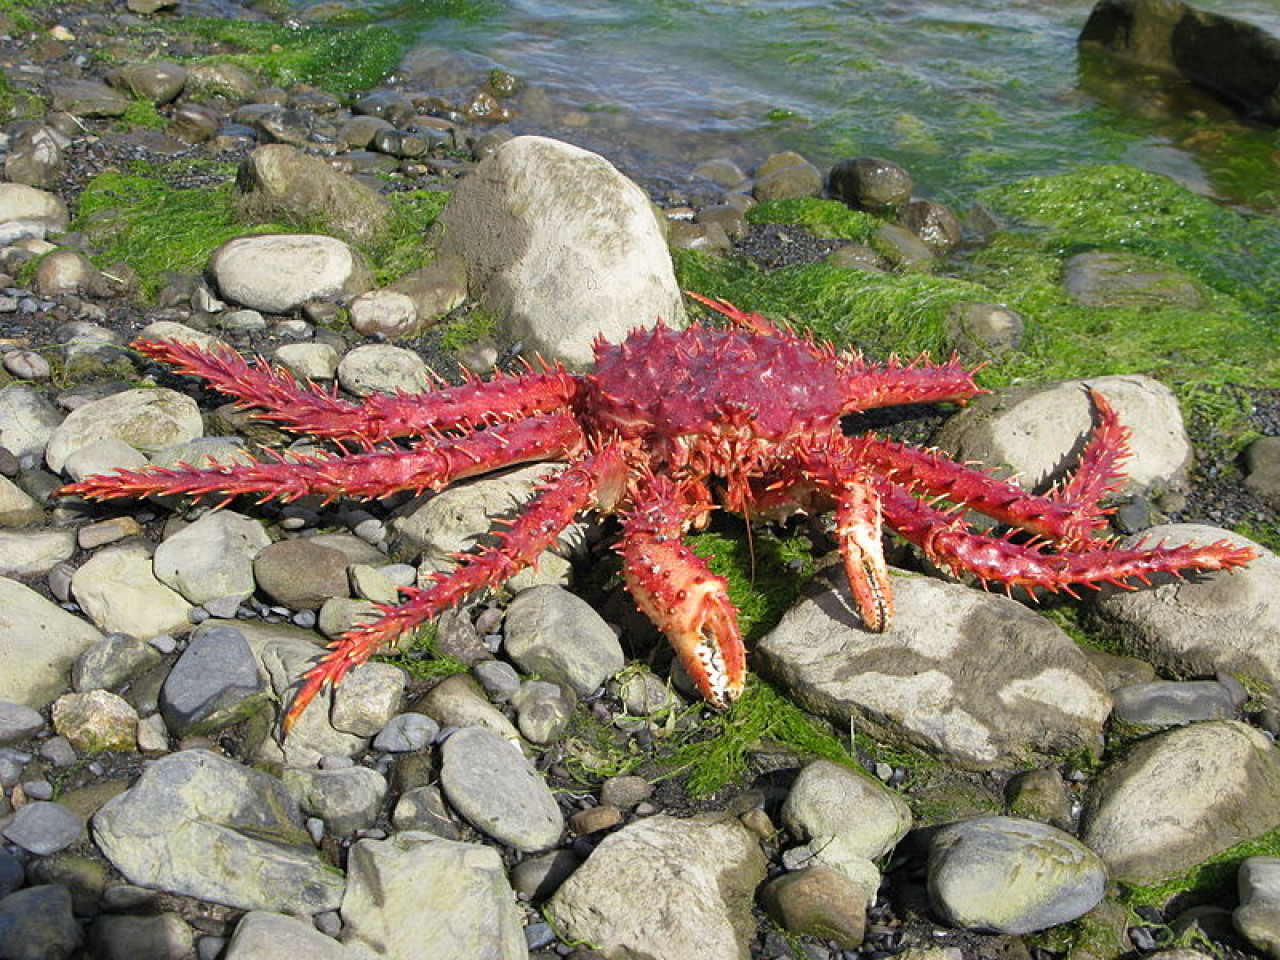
point(1213, 880)
point(156, 228)
point(336, 58)
point(824, 218)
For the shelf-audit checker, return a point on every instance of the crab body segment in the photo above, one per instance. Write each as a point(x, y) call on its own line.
point(669, 426)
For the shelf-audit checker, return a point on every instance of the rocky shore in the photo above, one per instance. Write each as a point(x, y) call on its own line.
point(534, 779)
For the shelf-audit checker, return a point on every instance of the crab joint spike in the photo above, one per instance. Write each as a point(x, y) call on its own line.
point(862, 550)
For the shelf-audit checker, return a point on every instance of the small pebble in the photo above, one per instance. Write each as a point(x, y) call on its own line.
point(406, 733)
point(164, 642)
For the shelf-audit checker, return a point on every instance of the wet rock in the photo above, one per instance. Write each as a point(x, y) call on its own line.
point(278, 183)
point(903, 249)
point(698, 874)
point(118, 591)
point(1202, 625)
point(389, 105)
point(976, 677)
point(1012, 876)
point(416, 889)
point(202, 826)
point(552, 633)
point(159, 81)
point(786, 175)
point(1262, 470)
point(162, 937)
point(212, 557)
point(817, 902)
point(1180, 797)
point(347, 799)
point(277, 273)
point(1258, 916)
point(221, 78)
point(1164, 703)
point(1039, 795)
point(214, 684)
point(194, 122)
point(983, 331)
point(1035, 432)
point(934, 223)
point(37, 924)
point(871, 184)
point(1101, 279)
point(147, 420)
point(528, 269)
point(382, 368)
point(489, 782)
point(96, 721)
point(87, 98)
point(1232, 58)
point(43, 828)
point(39, 642)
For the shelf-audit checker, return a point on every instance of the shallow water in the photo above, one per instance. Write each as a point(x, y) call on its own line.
point(963, 95)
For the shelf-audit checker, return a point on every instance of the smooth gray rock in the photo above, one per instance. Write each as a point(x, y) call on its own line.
point(383, 368)
point(212, 557)
point(276, 273)
point(18, 721)
point(543, 710)
point(367, 699)
point(112, 662)
point(406, 732)
point(148, 420)
point(27, 419)
point(416, 889)
point(202, 826)
point(488, 780)
point(550, 632)
point(39, 642)
point(1099, 279)
point(165, 936)
point(1258, 916)
point(1012, 876)
point(1180, 797)
point(1165, 703)
point(118, 591)
point(43, 828)
point(347, 799)
point(37, 924)
point(698, 877)
point(214, 684)
point(599, 267)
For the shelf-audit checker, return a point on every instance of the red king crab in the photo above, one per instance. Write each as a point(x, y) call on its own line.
point(669, 425)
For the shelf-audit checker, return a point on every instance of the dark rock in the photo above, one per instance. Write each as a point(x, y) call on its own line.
point(871, 184)
point(1236, 60)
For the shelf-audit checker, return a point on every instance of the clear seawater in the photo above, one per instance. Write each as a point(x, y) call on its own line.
point(961, 94)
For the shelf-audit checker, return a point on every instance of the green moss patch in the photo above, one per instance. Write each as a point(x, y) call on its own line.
point(825, 218)
point(337, 58)
point(155, 228)
point(1211, 881)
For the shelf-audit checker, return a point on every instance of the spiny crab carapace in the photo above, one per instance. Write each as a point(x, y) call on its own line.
point(669, 425)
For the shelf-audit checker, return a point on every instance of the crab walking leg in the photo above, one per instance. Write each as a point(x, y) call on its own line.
point(679, 593)
point(430, 466)
point(867, 386)
point(595, 481)
point(307, 408)
point(949, 543)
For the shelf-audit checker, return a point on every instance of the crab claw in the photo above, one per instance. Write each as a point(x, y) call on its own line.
point(691, 606)
point(861, 548)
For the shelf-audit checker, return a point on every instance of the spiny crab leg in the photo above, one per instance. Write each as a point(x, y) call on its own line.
point(598, 480)
point(867, 386)
point(1068, 514)
point(430, 466)
point(679, 593)
point(949, 543)
point(307, 408)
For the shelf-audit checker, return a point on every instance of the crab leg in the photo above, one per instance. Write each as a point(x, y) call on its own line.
point(311, 409)
point(597, 480)
point(948, 543)
point(1068, 514)
point(366, 475)
point(679, 593)
point(831, 469)
point(868, 386)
